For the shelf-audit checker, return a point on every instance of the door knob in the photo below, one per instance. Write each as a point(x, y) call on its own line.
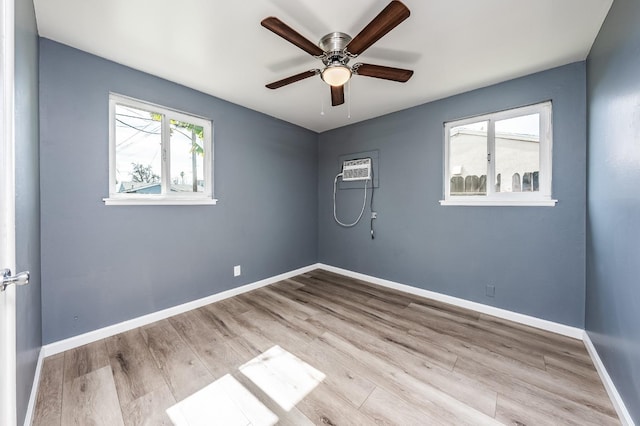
point(19, 279)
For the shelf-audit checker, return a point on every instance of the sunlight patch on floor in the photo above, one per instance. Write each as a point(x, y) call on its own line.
point(224, 402)
point(283, 376)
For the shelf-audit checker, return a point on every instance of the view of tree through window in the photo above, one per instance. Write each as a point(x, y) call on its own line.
point(187, 157)
point(139, 153)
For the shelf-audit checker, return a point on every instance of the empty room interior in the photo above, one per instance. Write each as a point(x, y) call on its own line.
point(298, 212)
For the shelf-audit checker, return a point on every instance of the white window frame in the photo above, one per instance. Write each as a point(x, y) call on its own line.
point(166, 197)
point(492, 198)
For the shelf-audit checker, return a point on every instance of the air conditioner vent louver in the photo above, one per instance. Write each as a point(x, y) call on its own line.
point(359, 169)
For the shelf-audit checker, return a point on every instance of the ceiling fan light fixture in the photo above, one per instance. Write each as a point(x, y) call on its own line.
point(336, 74)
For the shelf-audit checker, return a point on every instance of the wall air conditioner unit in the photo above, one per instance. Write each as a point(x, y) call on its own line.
point(359, 169)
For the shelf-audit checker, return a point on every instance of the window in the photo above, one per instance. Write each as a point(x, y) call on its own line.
point(500, 159)
point(157, 155)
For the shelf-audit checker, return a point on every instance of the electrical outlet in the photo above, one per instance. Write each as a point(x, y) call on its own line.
point(374, 215)
point(491, 290)
point(237, 271)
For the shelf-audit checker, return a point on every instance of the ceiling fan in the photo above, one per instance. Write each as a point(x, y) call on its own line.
point(336, 49)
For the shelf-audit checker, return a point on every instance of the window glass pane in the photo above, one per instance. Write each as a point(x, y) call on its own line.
point(187, 157)
point(138, 150)
point(517, 157)
point(468, 159)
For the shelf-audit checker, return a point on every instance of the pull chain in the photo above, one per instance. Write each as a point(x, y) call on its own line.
point(321, 97)
point(349, 99)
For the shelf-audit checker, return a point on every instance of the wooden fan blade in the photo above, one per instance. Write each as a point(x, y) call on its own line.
point(337, 95)
point(292, 79)
point(386, 73)
point(390, 17)
point(292, 36)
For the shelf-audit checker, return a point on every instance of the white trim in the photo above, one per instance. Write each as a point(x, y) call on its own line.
point(8, 409)
point(554, 327)
point(168, 114)
point(491, 198)
point(34, 390)
point(506, 203)
point(101, 333)
point(165, 201)
point(615, 397)
point(92, 336)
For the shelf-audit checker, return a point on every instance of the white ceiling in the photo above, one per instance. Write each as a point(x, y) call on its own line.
point(219, 47)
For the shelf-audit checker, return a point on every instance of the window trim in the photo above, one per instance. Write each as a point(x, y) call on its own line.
point(540, 198)
point(201, 198)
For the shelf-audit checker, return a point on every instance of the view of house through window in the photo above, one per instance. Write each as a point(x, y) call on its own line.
point(517, 154)
point(468, 145)
point(158, 152)
point(500, 156)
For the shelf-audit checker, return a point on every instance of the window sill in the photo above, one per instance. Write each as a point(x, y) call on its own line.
point(159, 201)
point(503, 203)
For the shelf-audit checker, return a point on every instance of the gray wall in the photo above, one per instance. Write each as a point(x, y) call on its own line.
point(613, 266)
point(103, 265)
point(28, 317)
point(535, 256)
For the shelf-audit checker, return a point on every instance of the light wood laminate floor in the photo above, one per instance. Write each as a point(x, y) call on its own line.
point(387, 357)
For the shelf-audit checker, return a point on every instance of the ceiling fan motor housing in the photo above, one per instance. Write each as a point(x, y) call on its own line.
point(334, 45)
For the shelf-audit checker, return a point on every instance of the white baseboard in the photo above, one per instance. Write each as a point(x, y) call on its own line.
point(551, 326)
point(615, 397)
point(101, 333)
point(565, 330)
point(34, 390)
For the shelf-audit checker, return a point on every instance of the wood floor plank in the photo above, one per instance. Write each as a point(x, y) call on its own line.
point(388, 409)
point(323, 407)
point(371, 324)
point(543, 341)
point(511, 409)
point(287, 284)
point(49, 400)
point(85, 359)
point(421, 394)
point(91, 399)
point(470, 331)
point(390, 347)
point(533, 333)
point(472, 392)
point(290, 332)
point(181, 368)
point(249, 345)
point(278, 334)
point(233, 305)
point(149, 409)
point(372, 291)
point(210, 347)
point(469, 392)
point(133, 367)
point(550, 398)
point(293, 417)
point(225, 323)
point(582, 374)
point(301, 310)
point(545, 382)
point(351, 384)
